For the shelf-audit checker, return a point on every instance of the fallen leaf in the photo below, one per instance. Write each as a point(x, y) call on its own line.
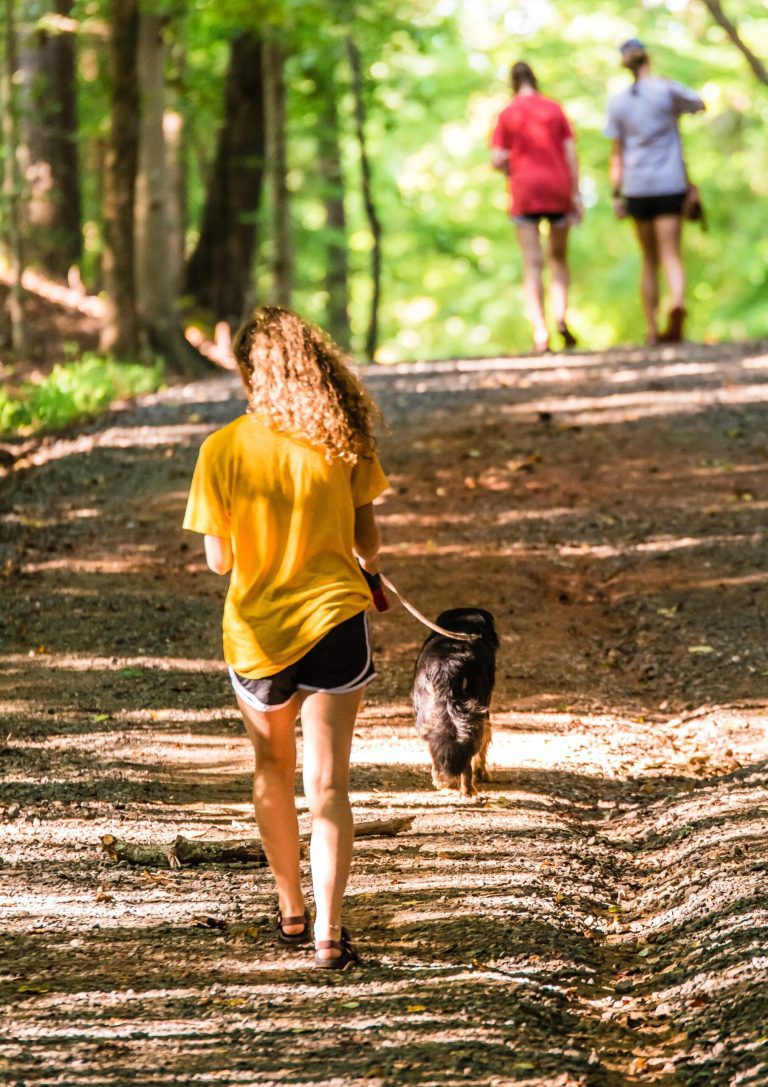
point(206, 920)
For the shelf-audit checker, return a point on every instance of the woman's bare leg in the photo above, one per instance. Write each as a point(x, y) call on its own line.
point(560, 276)
point(533, 286)
point(328, 722)
point(649, 277)
point(668, 230)
point(274, 744)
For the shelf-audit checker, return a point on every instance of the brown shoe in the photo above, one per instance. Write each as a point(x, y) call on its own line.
point(292, 939)
point(569, 340)
point(347, 955)
point(673, 333)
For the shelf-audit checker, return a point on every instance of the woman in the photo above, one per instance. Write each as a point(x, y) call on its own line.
point(650, 181)
point(283, 496)
point(533, 144)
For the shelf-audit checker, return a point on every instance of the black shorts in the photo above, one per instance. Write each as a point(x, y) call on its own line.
point(645, 208)
point(340, 662)
point(555, 218)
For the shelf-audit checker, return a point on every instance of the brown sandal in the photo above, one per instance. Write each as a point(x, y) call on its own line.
point(291, 939)
point(347, 957)
point(673, 333)
point(569, 340)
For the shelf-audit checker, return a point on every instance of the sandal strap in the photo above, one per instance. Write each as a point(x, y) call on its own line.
point(302, 920)
point(336, 945)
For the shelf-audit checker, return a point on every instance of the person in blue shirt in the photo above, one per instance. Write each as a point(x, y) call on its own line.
point(650, 181)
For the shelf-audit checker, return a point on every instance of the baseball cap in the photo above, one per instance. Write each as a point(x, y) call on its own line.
point(631, 44)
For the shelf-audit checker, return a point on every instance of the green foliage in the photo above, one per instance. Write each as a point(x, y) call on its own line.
point(73, 391)
point(452, 269)
point(436, 78)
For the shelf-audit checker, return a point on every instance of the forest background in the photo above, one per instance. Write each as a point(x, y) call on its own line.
point(334, 156)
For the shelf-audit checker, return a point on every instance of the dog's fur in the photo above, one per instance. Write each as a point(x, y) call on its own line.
point(452, 686)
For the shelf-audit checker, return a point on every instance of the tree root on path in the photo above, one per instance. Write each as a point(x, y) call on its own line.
point(187, 853)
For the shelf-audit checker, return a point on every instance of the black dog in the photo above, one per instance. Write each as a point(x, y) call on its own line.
point(452, 687)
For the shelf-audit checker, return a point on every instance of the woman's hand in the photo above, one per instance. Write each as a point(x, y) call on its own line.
point(620, 206)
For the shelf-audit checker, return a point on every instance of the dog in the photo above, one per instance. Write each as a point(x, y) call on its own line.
point(452, 687)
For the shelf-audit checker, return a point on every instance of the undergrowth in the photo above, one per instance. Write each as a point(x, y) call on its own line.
point(73, 391)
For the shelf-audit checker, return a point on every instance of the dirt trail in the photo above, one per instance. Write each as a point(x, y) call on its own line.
point(596, 917)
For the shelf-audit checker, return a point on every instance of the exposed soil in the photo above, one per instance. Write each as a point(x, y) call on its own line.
point(597, 916)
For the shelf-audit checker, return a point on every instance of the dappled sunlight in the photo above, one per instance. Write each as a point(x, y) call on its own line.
point(149, 437)
point(132, 564)
point(72, 296)
point(74, 662)
point(178, 715)
point(664, 545)
point(618, 408)
point(610, 867)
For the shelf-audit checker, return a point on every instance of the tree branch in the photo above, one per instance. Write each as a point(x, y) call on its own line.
point(187, 852)
point(716, 11)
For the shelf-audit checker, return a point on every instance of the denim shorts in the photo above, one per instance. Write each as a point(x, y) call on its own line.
point(341, 661)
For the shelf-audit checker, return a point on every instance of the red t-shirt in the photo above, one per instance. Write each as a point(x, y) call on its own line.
point(534, 130)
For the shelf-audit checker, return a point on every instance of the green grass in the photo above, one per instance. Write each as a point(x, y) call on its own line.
point(73, 391)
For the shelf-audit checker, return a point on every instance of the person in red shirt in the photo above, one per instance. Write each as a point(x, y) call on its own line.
point(534, 145)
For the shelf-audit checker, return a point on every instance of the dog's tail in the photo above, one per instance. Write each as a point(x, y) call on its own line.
point(453, 749)
point(455, 721)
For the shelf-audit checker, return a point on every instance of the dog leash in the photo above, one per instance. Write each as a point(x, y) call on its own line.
point(375, 581)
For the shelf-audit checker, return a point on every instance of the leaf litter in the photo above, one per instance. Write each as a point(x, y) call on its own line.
point(596, 917)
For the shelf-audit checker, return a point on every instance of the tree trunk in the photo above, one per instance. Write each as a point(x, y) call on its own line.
point(155, 267)
point(12, 182)
point(358, 90)
point(329, 166)
point(120, 333)
point(54, 238)
point(219, 270)
point(277, 163)
point(715, 9)
point(176, 193)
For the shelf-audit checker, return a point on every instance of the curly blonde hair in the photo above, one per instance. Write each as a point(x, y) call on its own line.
point(297, 379)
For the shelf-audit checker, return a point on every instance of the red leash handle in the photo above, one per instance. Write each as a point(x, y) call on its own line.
point(380, 601)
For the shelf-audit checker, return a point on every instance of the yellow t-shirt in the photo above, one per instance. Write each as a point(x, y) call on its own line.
point(290, 516)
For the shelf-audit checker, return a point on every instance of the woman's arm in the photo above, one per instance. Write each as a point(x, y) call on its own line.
point(367, 538)
point(617, 165)
point(500, 159)
point(569, 149)
point(617, 177)
point(218, 554)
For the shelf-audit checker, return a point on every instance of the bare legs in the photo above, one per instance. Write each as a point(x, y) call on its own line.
point(533, 272)
point(661, 246)
point(328, 723)
point(533, 286)
point(560, 279)
point(274, 746)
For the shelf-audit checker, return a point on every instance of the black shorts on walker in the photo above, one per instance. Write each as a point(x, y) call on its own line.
point(645, 208)
point(340, 662)
point(554, 218)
